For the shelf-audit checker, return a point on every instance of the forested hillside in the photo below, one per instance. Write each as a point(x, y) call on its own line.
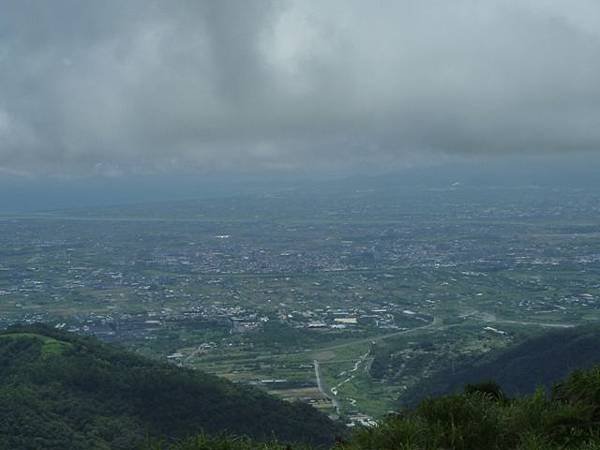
point(539, 361)
point(482, 417)
point(62, 391)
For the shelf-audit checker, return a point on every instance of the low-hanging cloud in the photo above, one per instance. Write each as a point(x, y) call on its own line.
point(113, 86)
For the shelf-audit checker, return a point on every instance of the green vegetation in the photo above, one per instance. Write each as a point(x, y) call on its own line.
point(59, 391)
point(49, 347)
point(539, 361)
point(205, 442)
point(483, 418)
point(63, 391)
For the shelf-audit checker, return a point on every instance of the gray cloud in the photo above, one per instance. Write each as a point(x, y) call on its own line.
point(145, 86)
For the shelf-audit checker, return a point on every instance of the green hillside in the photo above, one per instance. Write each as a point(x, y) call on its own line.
point(538, 361)
point(62, 391)
point(483, 418)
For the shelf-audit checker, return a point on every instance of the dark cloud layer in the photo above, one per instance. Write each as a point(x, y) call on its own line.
point(116, 86)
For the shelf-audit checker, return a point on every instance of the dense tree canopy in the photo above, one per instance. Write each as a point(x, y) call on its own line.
point(59, 390)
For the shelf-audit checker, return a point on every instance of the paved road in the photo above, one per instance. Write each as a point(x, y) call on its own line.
point(490, 317)
point(324, 389)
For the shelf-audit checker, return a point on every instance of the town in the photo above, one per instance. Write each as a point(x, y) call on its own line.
point(346, 308)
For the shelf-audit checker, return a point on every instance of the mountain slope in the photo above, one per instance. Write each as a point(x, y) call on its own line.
point(480, 418)
point(483, 418)
point(59, 390)
point(539, 361)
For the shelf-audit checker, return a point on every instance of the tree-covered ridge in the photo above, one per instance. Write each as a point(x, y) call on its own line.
point(484, 418)
point(538, 361)
point(59, 390)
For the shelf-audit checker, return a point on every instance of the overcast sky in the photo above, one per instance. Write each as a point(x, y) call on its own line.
point(120, 86)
